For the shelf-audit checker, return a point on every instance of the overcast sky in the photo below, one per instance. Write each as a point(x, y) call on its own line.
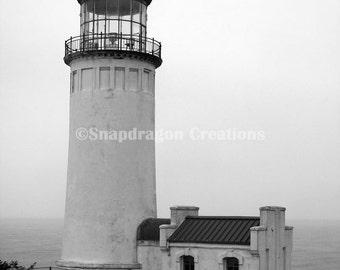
point(244, 64)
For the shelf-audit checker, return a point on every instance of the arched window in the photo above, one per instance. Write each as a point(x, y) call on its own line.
point(187, 263)
point(231, 263)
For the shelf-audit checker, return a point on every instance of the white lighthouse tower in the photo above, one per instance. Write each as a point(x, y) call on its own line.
point(110, 184)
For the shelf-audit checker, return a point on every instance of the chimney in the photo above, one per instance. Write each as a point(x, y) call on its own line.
point(178, 214)
point(272, 216)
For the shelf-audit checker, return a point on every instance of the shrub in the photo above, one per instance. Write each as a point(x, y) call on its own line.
point(14, 265)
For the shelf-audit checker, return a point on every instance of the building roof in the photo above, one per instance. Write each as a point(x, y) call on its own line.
point(148, 230)
point(148, 2)
point(215, 230)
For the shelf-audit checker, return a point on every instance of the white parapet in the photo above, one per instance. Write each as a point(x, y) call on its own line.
point(272, 240)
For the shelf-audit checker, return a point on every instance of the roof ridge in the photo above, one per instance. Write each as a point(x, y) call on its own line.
point(222, 217)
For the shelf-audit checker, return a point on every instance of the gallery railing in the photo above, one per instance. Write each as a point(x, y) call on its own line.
point(112, 41)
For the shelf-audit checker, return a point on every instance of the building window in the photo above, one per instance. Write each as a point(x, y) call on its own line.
point(284, 259)
point(187, 263)
point(231, 264)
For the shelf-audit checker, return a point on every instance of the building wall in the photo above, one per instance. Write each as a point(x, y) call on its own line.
point(149, 255)
point(208, 257)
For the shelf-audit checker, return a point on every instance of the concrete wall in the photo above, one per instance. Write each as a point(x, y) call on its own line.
point(149, 255)
point(110, 185)
point(208, 256)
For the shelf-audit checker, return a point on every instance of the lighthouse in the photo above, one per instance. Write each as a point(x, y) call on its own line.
point(111, 185)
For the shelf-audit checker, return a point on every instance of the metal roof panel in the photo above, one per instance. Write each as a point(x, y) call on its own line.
point(215, 230)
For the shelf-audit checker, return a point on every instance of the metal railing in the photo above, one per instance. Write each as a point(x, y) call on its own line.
point(112, 41)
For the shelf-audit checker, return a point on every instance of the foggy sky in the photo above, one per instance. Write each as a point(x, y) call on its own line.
point(250, 65)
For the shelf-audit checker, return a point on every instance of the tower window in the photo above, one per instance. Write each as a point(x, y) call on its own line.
point(87, 79)
point(104, 78)
point(119, 78)
point(134, 79)
point(74, 81)
point(231, 264)
point(187, 263)
point(146, 80)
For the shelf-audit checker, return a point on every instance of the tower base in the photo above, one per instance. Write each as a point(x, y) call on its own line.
point(74, 265)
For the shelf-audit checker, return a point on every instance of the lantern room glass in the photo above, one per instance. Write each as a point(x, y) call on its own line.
point(113, 17)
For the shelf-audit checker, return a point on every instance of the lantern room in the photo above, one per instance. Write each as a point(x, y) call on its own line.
point(126, 17)
point(113, 28)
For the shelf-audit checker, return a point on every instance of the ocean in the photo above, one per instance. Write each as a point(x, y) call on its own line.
point(316, 243)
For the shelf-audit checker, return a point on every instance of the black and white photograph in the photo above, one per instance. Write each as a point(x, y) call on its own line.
point(169, 135)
